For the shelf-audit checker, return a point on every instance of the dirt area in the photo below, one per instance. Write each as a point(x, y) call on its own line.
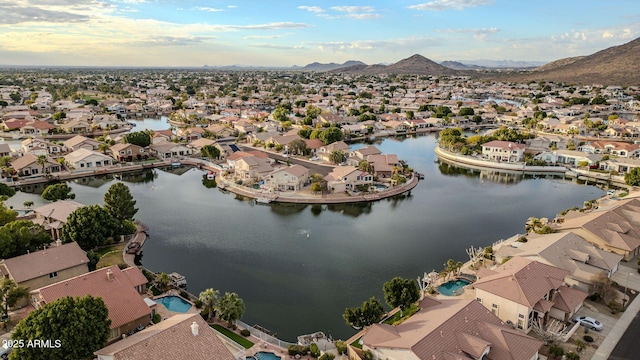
point(113, 257)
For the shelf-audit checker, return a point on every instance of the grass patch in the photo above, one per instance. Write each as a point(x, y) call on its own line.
point(111, 255)
point(356, 344)
point(396, 319)
point(245, 343)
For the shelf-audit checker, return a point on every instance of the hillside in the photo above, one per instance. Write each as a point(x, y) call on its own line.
point(414, 65)
point(316, 66)
point(617, 65)
point(558, 63)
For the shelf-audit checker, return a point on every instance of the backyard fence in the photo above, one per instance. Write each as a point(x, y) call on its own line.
point(264, 336)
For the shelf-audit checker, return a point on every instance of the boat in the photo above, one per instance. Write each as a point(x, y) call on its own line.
point(175, 164)
point(419, 176)
point(178, 280)
point(263, 200)
point(211, 175)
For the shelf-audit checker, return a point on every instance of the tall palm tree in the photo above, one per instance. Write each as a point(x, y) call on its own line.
point(230, 308)
point(163, 280)
point(42, 161)
point(209, 299)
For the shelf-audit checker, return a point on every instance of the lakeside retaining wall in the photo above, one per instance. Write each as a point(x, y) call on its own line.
point(466, 160)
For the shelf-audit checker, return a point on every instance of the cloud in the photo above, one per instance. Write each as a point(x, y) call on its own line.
point(172, 41)
point(365, 16)
point(256, 37)
point(313, 9)
point(440, 5)
point(268, 26)
point(17, 14)
point(353, 9)
point(414, 44)
point(209, 9)
point(277, 46)
point(479, 34)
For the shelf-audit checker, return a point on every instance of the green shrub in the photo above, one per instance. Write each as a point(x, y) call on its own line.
point(341, 347)
point(245, 332)
point(615, 307)
point(198, 303)
point(156, 318)
point(572, 356)
point(184, 294)
point(314, 349)
point(329, 356)
point(556, 350)
point(367, 355)
point(294, 350)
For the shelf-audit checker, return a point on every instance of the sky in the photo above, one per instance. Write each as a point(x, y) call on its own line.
point(286, 33)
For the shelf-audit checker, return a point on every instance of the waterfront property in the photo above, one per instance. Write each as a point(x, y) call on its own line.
point(449, 329)
point(453, 287)
point(183, 336)
point(503, 151)
point(174, 303)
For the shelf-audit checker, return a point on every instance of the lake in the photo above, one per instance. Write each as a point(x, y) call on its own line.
point(294, 284)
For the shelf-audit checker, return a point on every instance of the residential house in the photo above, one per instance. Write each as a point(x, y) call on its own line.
point(167, 151)
point(282, 140)
point(119, 289)
point(620, 165)
point(566, 250)
point(38, 146)
point(330, 118)
point(251, 168)
point(54, 215)
point(85, 160)
point(81, 142)
point(292, 178)
point(347, 178)
point(14, 124)
point(27, 165)
point(45, 267)
point(231, 159)
point(185, 334)
point(503, 151)
point(76, 126)
point(616, 148)
point(522, 291)
point(244, 126)
point(568, 157)
point(615, 229)
point(448, 329)
point(324, 152)
point(37, 128)
point(364, 152)
point(191, 133)
point(383, 164)
point(128, 152)
point(5, 150)
point(162, 136)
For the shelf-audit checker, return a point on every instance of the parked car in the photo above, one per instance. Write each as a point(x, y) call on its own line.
point(589, 322)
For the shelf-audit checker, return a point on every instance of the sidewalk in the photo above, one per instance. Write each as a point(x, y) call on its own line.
point(610, 342)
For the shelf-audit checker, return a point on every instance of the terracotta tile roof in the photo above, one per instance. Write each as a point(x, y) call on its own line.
point(169, 340)
point(523, 281)
point(119, 294)
point(313, 143)
point(568, 299)
point(453, 329)
point(78, 139)
point(58, 210)
point(505, 145)
point(44, 262)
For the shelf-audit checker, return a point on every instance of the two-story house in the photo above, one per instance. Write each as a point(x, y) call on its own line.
point(522, 291)
point(347, 178)
point(503, 151)
point(128, 152)
point(87, 160)
point(292, 178)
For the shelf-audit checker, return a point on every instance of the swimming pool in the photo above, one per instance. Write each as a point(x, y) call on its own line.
point(174, 303)
point(453, 287)
point(262, 355)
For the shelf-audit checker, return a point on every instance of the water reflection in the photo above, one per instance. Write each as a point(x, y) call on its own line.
point(497, 176)
point(353, 209)
point(287, 209)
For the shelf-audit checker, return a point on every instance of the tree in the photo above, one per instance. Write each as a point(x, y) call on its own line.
point(210, 151)
point(104, 147)
point(632, 178)
point(466, 111)
point(140, 138)
point(42, 161)
point(10, 293)
point(331, 135)
point(89, 226)
point(230, 308)
point(337, 156)
point(298, 147)
point(15, 97)
point(81, 325)
point(400, 293)
point(162, 281)
point(21, 236)
point(6, 215)
point(6, 190)
point(209, 298)
point(57, 192)
point(371, 312)
point(119, 202)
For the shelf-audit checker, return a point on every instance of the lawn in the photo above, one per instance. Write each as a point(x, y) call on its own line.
point(356, 344)
point(241, 340)
point(396, 319)
point(111, 255)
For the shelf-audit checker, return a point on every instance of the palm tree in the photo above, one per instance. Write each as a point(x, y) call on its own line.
point(533, 224)
point(103, 147)
point(209, 299)
point(42, 161)
point(163, 280)
point(230, 308)
point(337, 156)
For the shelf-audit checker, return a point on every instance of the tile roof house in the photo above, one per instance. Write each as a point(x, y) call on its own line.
point(503, 151)
point(38, 146)
point(53, 215)
point(568, 251)
point(87, 160)
point(616, 229)
point(128, 152)
point(46, 267)
point(186, 336)
point(119, 289)
point(324, 152)
point(347, 178)
point(81, 142)
point(383, 164)
point(522, 290)
point(169, 150)
point(290, 178)
point(250, 167)
point(27, 165)
point(450, 329)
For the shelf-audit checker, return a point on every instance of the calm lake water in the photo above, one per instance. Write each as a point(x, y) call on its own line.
point(293, 284)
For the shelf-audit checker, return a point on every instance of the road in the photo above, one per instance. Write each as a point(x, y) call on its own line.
point(314, 167)
point(628, 347)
